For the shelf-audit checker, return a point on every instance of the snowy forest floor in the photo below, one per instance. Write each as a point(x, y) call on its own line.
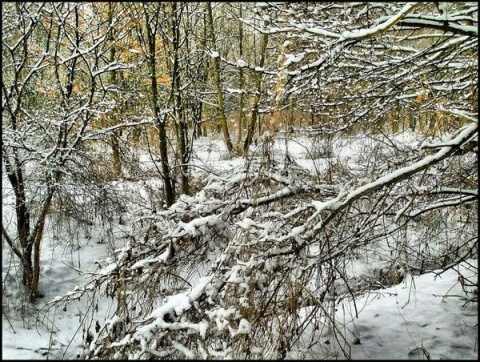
point(424, 317)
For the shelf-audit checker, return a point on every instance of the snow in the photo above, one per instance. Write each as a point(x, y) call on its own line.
point(235, 91)
point(427, 314)
point(292, 58)
point(425, 311)
point(22, 338)
point(273, 237)
point(196, 226)
point(242, 63)
point(358, 34)
point(188, 353)
point(198, 289)
point(178, 303)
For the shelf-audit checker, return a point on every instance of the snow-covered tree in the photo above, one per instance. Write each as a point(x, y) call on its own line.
point(52, 93)
point(371, 63)
point(256, 263)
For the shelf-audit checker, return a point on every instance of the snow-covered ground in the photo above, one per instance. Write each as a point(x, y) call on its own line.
point(423, 317)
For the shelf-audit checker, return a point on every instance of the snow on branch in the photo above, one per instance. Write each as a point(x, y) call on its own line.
point(405, 172)
point(345, 198)
point(440, 23)
point(374, 31)
point(443, 203)
point(245, 254)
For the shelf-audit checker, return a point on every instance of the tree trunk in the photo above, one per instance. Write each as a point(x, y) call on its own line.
point(241, 76)
point(160, 120)
point(22, 217)
point(36, 240)
point(218, 85)
point(256, 98)
point(114, 142)
point(116, 158)
point(180, 121)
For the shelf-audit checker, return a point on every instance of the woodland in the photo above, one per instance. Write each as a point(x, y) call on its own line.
point(110, 111)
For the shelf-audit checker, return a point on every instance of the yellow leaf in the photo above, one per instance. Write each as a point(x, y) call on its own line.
point(163, 79)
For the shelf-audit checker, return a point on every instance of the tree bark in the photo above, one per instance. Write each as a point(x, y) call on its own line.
point(218, 85)
point(160, 119)
point(180, 121)
point(256, 98)
point(241, 79)
point(114, 137)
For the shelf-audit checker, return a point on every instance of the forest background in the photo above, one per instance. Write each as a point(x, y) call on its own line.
point(88, 89)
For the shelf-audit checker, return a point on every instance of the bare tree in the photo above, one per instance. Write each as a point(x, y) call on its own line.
point(152, 23)
point(49, 102)
point(257, 93)
point(255, 265)
point(218, 82)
